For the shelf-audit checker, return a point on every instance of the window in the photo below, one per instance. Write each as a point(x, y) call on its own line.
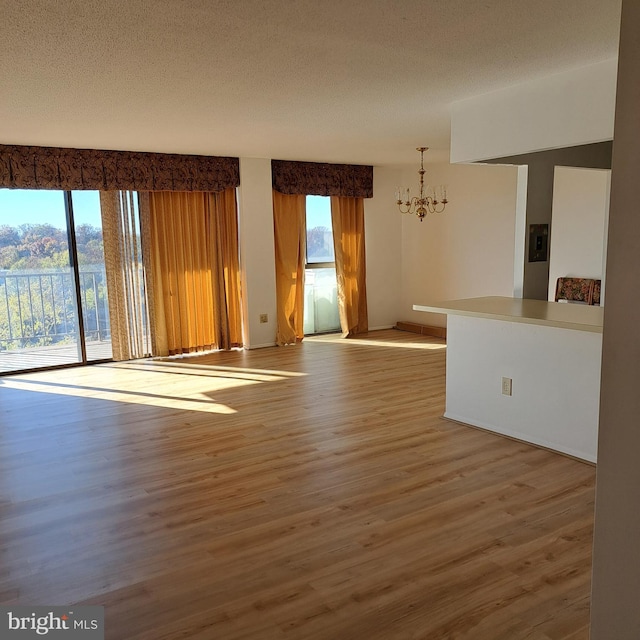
point(51, 266)
point(320, 290)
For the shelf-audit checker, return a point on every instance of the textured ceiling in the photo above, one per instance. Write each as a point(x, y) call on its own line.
point(363, 81)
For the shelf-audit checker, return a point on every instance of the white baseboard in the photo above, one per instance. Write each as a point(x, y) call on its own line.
point(521, 437)
point(259, 346)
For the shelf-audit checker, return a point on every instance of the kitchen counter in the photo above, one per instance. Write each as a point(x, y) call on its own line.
point(528, 369)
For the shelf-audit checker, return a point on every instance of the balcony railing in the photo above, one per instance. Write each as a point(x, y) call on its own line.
point(38, 307)
point(320, 301)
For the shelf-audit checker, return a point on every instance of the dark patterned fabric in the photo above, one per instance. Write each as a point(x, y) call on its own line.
point(57, 168)
point(597, 284)
point(577, 290)
point(318, 179)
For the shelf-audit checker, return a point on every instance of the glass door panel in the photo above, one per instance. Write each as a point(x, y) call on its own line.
point(92, 274)
point(38, 314)
point(319, 230)
point(320, 301)
point(320, 286)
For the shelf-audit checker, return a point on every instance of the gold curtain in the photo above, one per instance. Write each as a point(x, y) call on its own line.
point(195, 271)
point(122, 221)
point(227, 283)
point(289, 212)
point(347, 219)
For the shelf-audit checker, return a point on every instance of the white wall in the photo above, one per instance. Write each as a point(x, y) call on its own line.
point(563, 110)
point(580, 211)
point(466, 252)
point(520, 240)
point(383, 236)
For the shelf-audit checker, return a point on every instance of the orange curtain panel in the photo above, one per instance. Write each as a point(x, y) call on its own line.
point(347, 219)
point(227, 280)
point(289, 213)
point(195, 271)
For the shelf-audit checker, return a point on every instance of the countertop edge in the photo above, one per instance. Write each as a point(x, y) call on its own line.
point(561, 324)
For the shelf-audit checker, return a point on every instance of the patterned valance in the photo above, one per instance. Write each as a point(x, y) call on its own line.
point(318, 179)
point(55, 168)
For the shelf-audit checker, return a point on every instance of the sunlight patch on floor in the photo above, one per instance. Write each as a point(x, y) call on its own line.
point(190, 368)
point(192, 387)
point(197, 402)
point(377, 343)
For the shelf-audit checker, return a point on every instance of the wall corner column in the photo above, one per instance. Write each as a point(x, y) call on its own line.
point(257, 253)
point(616, 559)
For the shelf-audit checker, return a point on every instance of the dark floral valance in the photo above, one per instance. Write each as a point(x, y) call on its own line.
point(56, 168)
point(319, 179)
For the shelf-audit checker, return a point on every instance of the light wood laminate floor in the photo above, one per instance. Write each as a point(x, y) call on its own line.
point(307, 492)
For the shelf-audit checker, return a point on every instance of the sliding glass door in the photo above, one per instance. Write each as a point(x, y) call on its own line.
point(53, 298)
point(320, 286)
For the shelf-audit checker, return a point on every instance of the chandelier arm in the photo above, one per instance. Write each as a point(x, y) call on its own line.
point(410, 206)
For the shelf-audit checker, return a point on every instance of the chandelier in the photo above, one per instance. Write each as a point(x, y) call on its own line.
point(433, 201)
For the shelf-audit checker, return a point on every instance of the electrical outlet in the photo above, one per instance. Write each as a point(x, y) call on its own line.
point(264, 318)
point(506, 386)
